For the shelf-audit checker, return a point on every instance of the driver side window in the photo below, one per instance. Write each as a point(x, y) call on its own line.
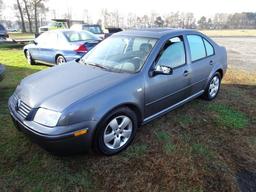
point(173, 53)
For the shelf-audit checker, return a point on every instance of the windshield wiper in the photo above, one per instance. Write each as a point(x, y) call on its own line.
point(96, 65)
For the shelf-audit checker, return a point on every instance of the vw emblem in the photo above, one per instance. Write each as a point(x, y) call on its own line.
point(18, 104)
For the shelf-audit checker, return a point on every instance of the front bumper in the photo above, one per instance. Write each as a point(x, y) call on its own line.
point(61, 139)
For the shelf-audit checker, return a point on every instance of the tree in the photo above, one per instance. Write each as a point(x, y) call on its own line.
point(202, 23)
point(159, 21)
point(23, 28)
point(28, 15)
point(36, 4)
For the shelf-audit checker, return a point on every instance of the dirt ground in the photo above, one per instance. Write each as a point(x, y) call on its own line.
point(241, 52)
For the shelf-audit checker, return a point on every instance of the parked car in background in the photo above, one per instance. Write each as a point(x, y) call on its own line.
point(58, 46)
point(112, 30)
point(3, 32)
point(127, 80)
point(2, 69)
point(93, 28)
point(53, 25)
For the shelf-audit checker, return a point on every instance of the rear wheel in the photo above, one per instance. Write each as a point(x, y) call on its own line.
point(60, 59)
point(30, 60)
point(213, 87)
point(116, 131)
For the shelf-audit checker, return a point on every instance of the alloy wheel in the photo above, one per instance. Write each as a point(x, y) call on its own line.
point(118, 132)
point(214, 86)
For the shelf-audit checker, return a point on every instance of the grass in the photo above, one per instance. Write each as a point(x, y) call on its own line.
point(136, 151)
point(168, 147)
point(229, 117)
point(201, 150)
point(198, 147)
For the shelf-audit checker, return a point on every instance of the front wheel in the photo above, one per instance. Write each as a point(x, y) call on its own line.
point(116, 131)
point(213, 87)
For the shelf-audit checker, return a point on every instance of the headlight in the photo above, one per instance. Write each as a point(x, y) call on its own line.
point(47, 117)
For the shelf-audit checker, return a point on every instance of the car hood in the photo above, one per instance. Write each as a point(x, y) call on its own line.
point(58, 87)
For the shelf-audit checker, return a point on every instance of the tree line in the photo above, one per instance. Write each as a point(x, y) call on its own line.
point(30, 12)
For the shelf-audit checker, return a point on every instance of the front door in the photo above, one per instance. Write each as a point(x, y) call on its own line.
point(163, 91)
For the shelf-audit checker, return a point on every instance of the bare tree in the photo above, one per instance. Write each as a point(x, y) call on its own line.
point(18, 5)
point(28, 15)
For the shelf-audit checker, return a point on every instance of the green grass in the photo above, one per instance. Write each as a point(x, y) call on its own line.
point(165, 139)
point(229, 117)
point(202, 150)
point(163, 136)
point(136, 151)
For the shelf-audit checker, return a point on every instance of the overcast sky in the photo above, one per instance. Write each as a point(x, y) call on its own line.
point(141, 7)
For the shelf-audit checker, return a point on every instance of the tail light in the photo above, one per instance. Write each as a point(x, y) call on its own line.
point(81, 49)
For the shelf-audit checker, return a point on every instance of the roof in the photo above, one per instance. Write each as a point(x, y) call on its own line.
point(153, 32)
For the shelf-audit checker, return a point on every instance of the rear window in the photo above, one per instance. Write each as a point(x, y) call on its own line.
point(197, 48)
point(93, 29)
point(74, 36)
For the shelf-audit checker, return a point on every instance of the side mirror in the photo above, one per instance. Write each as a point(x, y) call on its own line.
point(34, 41)
point(162, 70)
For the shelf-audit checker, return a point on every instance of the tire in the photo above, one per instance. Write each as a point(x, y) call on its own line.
point(213, 87)
point(30, 60)
point(60, 59)
point(111, 137)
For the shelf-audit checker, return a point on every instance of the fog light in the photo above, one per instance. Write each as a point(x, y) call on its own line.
point(80, 132)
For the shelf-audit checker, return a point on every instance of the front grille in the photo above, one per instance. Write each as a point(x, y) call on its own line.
point(22, 108)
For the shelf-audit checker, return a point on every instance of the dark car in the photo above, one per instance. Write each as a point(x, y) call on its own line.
point(59, 46)
point(3, 32)
point(112, 30)
point(2, 69)
point(127, 80)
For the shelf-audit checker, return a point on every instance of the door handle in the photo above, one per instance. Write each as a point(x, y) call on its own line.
point(211, 62)
point(186, 73)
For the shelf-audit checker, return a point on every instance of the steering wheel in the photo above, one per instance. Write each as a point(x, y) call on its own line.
point(136, 61)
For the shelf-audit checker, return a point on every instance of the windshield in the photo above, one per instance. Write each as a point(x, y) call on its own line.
point(121, 53)
point(74, 36)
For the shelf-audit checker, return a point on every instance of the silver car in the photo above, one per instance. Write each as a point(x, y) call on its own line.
point(125, 81)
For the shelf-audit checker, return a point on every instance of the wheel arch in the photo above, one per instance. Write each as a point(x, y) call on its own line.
point(24, 51)
point(220, 71)
point(131, 106)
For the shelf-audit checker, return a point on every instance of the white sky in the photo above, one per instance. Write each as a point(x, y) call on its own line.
point(140, 7)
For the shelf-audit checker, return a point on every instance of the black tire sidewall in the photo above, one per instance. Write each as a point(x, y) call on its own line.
point(99, 141)
point(31, 62)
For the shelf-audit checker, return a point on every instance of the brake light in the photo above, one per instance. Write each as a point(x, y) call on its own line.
point(82, 49)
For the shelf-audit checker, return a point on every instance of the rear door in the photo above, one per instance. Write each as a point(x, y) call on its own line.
point(48, 48)
point(163, 91)
point(202, 61)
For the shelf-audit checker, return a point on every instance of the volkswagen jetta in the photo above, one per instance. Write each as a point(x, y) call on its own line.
point(125, 81)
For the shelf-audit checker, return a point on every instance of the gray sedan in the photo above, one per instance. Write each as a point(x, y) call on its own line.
point(127, 80)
